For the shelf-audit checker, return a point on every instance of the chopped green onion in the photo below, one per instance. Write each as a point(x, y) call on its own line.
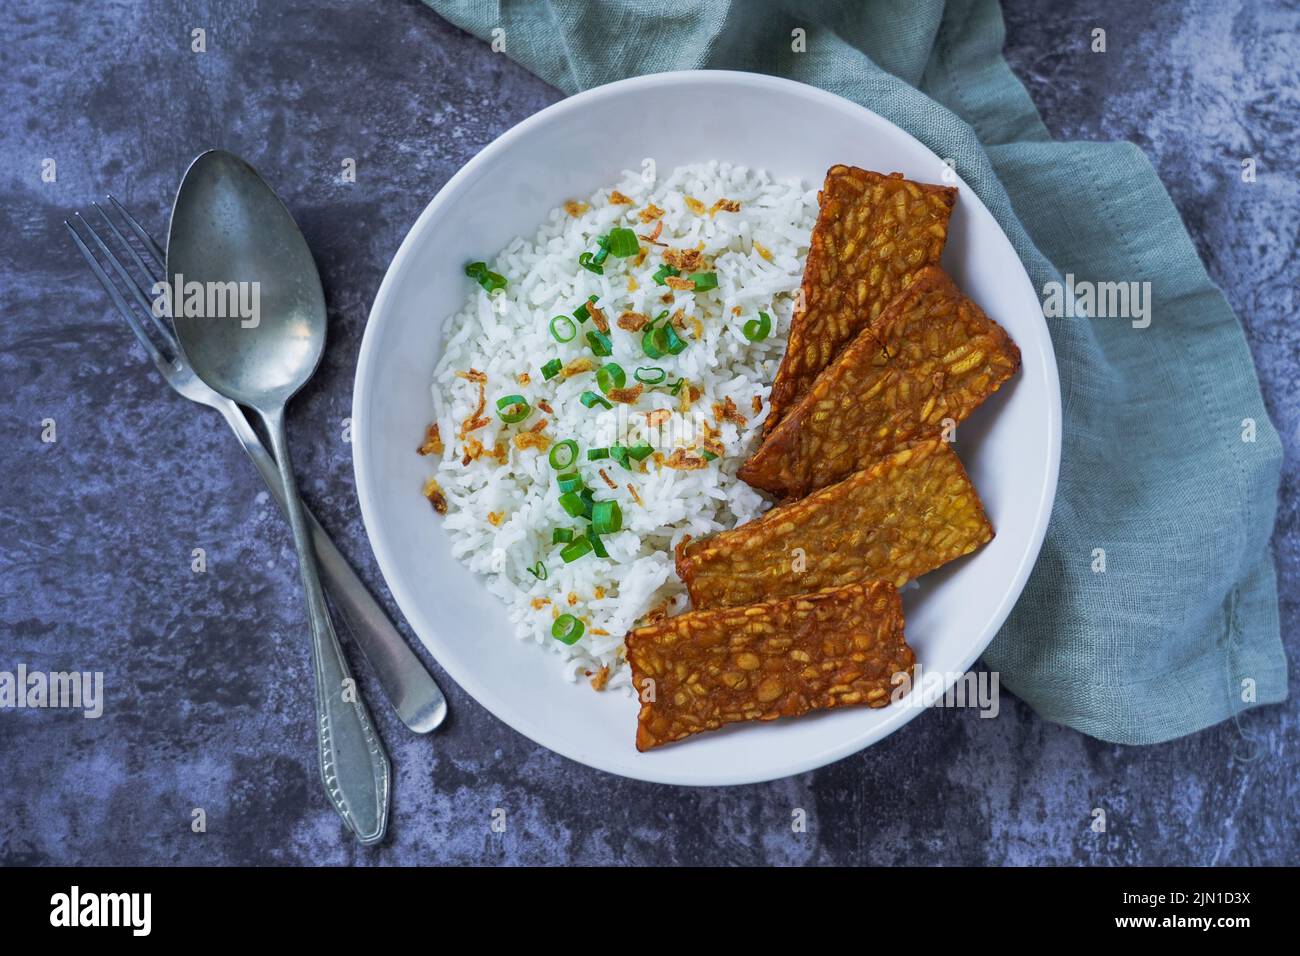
point(596, 544)
point(588, 262)
point(675, 344)
point(570, 481)
point(573, 504)
point(600, 343)
point(588, 499)
point(551, 369)
point(603, 252)
point(677, 386)
point(654, 375)
point(581, 313)
point(758, 329)
point(610, 376)
point(595, 454)
point(654, 342)
point(606, 517)
point(622, 455)
point(623, 243)
point(564, 454)
point(561, 536)
point(563, 329)
point(591, 400)
point(707, 455)
point(538, 571)
point(520, 409)
point(664, 272)
point(490, 281)
point(567, 628)
point(641, 451)
point(704, 280)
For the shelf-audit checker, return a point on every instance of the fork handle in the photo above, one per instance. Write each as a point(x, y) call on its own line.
point(414, 694)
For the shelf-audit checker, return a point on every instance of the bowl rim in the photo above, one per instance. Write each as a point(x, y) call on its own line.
point(389, 566)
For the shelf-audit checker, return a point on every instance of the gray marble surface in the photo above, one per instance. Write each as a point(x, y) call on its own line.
point(207, 673)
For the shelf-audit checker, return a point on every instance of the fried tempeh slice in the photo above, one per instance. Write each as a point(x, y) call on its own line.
point(873, 234)
point(931, 356)
point(837, 648)
point(907, 514)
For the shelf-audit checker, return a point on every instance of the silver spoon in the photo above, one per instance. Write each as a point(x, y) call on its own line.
point(257, 343)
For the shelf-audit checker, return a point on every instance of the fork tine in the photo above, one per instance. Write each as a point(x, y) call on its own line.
point(159, 324)
point(122, 307)
point(132, 285)
point(153, 274)
point(155, 250)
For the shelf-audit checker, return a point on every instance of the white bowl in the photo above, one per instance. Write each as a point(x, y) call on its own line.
point(1011, 446)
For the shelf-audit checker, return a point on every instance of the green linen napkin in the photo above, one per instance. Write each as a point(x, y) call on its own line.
point(1169, 464)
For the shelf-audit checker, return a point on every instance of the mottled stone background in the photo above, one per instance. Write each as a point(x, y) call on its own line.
point(208, 676)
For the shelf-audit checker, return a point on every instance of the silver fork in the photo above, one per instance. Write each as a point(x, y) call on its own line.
point(414, 694)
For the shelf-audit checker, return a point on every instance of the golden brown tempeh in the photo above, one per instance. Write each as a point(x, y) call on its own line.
point(873, 234)
point(932, 356)
point(905, 515)
point(839, 647)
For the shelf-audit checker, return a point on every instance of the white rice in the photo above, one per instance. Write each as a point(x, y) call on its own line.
point(507, 333)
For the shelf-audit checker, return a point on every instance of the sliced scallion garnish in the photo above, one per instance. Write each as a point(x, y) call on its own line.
point(708, 455)
point(663, 273)
point(654, 342)
point(606, 517)
point(573, 504)
point(563, 454)
point(575, 549)
point(596, 544)
point(622, 243)
point(581, 313)
point(595, 454)
point(563, 329)
point(561, 536)
point(566, 628)
point(551, 369)
point(595, 262)
point(538, 571)
point(610, 376)
point(622, 455)
point(513, 409)
point(600, 343)
point(591, 400)
point(674, 343)
point(650, 375)
point(490, 281)
point(641, 451)
point(758, 329)
point(704, 280)
point(569, 481)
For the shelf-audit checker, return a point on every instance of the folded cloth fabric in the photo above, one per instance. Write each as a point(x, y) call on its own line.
point(1152, 611)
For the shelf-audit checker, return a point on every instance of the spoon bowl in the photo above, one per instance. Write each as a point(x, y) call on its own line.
point(235, 229)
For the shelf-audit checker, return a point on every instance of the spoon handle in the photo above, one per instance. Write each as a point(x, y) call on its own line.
point(354, 766)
